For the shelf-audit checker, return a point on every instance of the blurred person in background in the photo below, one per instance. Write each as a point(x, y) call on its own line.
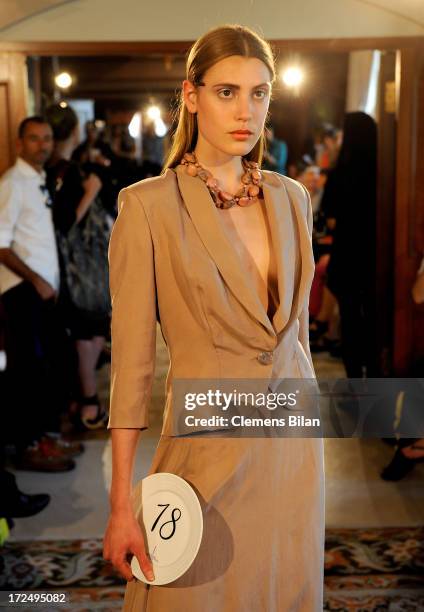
point(126, 168)
point(349, 202)
point(16, 504)
point(323, 310)
point(314, 182)
point(276, 152)
point(328, 150)
point(153, 150)
point(96, 157)
point(93, 149)
point(35, 339)
point(81, 227)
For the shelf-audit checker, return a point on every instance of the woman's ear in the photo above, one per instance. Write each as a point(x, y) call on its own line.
point(190, 96)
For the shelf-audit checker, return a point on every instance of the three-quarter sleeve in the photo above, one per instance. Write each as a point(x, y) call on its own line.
point(133, 295)
point(304, 315)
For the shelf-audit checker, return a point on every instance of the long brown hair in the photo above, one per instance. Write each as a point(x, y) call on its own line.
point(215, 45)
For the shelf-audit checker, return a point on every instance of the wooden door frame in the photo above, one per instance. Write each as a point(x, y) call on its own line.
point(408, 338)
point(408, 239)
point(13, 82)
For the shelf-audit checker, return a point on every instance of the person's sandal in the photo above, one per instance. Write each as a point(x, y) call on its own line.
point(100, 420)
point(82, 423)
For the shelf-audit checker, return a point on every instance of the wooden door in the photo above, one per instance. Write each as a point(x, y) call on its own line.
point(13, 104)
point(408, 340)
point(386, 204)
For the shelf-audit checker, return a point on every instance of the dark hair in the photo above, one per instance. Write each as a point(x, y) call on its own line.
point(63, 121)
point(34, 119)
point(359, 145)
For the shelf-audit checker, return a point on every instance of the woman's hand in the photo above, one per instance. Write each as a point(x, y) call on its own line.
point(123, 536)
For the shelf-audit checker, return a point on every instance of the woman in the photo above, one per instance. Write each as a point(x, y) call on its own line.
point(349, 201)
point(74, 195)
point(230, 287)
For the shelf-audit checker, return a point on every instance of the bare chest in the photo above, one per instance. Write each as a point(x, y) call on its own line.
point(250, 236)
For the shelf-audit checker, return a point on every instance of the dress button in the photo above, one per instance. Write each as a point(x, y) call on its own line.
point(265, 358)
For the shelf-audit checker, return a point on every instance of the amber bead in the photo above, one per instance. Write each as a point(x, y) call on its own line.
point(225, 196)
point(192, 170)
point(253, 190)
point(244, 201)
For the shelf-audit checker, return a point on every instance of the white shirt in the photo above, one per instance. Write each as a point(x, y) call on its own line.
point(26, 225)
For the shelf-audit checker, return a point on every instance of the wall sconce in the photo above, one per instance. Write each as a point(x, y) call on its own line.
point(292, 77)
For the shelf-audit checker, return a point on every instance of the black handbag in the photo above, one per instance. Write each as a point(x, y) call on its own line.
point(84, 257)
point(84, 252)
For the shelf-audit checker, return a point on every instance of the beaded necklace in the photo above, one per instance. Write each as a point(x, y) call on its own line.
point(248, 194)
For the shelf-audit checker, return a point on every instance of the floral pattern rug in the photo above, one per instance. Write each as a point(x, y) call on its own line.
point(374, 570)
point(366, 570)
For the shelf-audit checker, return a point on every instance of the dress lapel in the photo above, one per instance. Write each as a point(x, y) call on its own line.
point(204, 215)
point(280, 217)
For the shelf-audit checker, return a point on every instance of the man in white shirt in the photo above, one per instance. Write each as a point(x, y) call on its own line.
point(29, 284)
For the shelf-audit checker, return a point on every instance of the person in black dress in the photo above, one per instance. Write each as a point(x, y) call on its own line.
point(74, 194)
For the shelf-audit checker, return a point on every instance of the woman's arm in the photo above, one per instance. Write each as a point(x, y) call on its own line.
point(69, 205)
point(133, 293)
point(124, 445)
point(133, 296)
point(91, 186)
point(123, 533)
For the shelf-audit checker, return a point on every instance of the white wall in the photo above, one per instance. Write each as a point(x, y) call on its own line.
point(143, 20)
point(362, 82)
point(13, 11)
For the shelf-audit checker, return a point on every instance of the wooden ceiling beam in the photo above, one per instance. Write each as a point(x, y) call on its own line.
point(181, 47)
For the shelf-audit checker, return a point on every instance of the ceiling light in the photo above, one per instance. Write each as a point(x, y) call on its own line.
point(63, 80)
point(135, 125)
point(160, 128)
point(292, 76)
point(153, 112)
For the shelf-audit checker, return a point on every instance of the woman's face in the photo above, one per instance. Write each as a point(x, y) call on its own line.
point(235, 96)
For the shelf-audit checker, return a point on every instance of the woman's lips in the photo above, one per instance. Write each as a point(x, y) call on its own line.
point(242, 135)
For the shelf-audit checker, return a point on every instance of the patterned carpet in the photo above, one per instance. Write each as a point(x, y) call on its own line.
point(374, 570)
point(366, 570)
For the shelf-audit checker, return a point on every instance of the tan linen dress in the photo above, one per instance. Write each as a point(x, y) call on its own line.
point(262, 498)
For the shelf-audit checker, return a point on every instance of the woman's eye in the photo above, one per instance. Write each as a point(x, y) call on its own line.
point(224, 91)
point(260, 94)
